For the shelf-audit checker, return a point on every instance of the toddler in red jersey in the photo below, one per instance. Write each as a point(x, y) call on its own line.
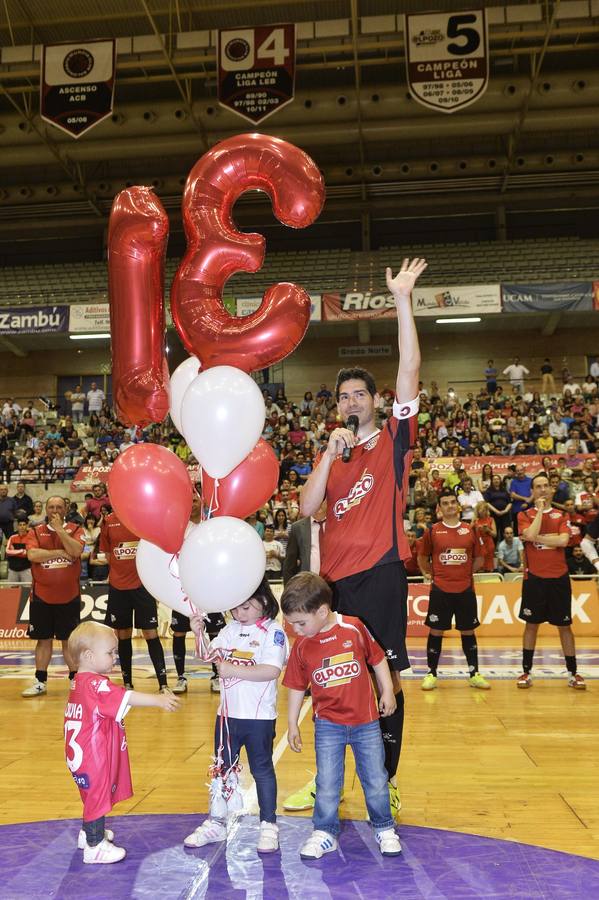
point(332, 657)
point(95, 740)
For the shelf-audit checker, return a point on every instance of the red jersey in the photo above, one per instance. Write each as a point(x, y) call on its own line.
point(95, 743)
point(452, 549)
point(544, 562)
point(334, 664)
point(366, 500)
point(55, 580)
point(576, 527)
point(120, 546)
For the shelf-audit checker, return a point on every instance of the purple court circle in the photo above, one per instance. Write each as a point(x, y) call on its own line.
point(40, 860)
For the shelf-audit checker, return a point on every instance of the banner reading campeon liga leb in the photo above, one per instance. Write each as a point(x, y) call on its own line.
point(77, 84)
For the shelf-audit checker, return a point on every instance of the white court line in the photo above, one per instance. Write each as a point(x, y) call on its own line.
point(250, 797)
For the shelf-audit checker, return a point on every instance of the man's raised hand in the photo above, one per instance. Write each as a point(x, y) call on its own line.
point(404, 281)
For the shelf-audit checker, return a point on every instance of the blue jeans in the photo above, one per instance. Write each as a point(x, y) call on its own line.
point(257, 736)
point(366, 742)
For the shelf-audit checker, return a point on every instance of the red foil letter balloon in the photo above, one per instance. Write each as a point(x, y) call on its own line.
point(214, 403)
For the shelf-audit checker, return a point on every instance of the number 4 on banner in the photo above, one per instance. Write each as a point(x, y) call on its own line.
point(274, 47)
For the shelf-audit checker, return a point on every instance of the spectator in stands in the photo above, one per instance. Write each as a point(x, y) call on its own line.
point(7, 512)
point(468, 498)
point(545, 444)
point(547, 379)
point(38, 515)
point(510, 552)
point(561, 490)
point(570, 387)
point(578, 564)
point(520, 493)
point(95, 399)
point(454, 478)
point(419, 524)
point(486, 532)
point(491, 377)
point(255, 523)
point(281, 527)
point(99, 499)
point(500, 505)
point(484, 480)
point(516, 372)
point(275, 554)
point(22, 500)
point(77, 398)
point(301, 467)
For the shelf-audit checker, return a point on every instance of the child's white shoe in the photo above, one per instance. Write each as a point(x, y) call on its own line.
point(388, 842)
point(82, 840)
point(104, 852)
point(319, 843)
point(209, 832)
point(268, 841)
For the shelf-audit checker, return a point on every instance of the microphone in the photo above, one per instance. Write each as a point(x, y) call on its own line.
point(353, 424)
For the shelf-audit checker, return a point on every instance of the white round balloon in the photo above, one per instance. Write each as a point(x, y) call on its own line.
point(221, 563)
point(222, 415)
point(180, 381)
point(159, 573)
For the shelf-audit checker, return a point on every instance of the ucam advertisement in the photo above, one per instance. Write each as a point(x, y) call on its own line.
point(565, 295)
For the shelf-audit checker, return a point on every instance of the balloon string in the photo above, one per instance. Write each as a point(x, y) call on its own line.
point(215, 495)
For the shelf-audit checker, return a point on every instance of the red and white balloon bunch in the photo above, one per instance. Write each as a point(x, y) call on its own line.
point(213, 401)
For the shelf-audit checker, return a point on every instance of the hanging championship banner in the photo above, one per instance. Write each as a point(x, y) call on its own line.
point(447, 58)
point(77, 85)
point(256, 70)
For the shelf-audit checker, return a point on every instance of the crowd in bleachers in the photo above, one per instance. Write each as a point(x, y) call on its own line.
point(560, 427)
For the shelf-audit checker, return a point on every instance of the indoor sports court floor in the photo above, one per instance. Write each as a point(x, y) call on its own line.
point(500, 794)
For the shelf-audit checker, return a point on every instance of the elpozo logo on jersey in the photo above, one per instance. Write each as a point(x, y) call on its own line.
point(337, 670)
point(126, 550)
point(455, 557)
point(60, 562)
point(361, 488)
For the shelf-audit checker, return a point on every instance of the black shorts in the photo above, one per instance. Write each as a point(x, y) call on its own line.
point(546, 600)
point(53, 620)
point(122, 605)
point(443, 606)
point(379, 597)
point(179, 622)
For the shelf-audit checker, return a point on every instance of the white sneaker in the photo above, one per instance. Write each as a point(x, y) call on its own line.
point(215, 685)
point(268, 841)
point(388, 842)
point(82, 840)
point(319, 843)
point(209, 832)
point(181, 686)
point(34, 690)
point(104, 852)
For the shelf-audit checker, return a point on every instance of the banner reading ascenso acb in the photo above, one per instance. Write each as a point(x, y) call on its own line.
point(447, 58)
point(256, 70)
point(77, 84)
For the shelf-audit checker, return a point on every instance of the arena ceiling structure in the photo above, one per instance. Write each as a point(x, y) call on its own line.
point(522, 161)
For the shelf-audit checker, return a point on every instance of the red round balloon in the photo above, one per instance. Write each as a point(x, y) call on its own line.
point(137, 237)
point(216, 249)
point(247, 487)
point(150, 491)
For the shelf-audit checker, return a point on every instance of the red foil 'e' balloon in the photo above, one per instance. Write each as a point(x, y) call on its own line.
point(137, 237)
point(247, 487)
point(151, 493)
point(216, 249)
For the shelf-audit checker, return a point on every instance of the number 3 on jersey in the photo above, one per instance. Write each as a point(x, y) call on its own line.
point(71, 732)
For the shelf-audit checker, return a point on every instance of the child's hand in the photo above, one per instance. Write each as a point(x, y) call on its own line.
point(387, 703)
point(294, 739)
point(225, 668)
point(168, 701)
point(196, 622)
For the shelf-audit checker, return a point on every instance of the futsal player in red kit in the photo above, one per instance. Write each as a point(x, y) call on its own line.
point(363, 544)
point(451, 552)
point(546, 588)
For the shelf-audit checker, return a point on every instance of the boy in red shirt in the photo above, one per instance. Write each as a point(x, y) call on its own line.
point(95, 741)
point(546, 588)
point(332, 657)
point(449, 553)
